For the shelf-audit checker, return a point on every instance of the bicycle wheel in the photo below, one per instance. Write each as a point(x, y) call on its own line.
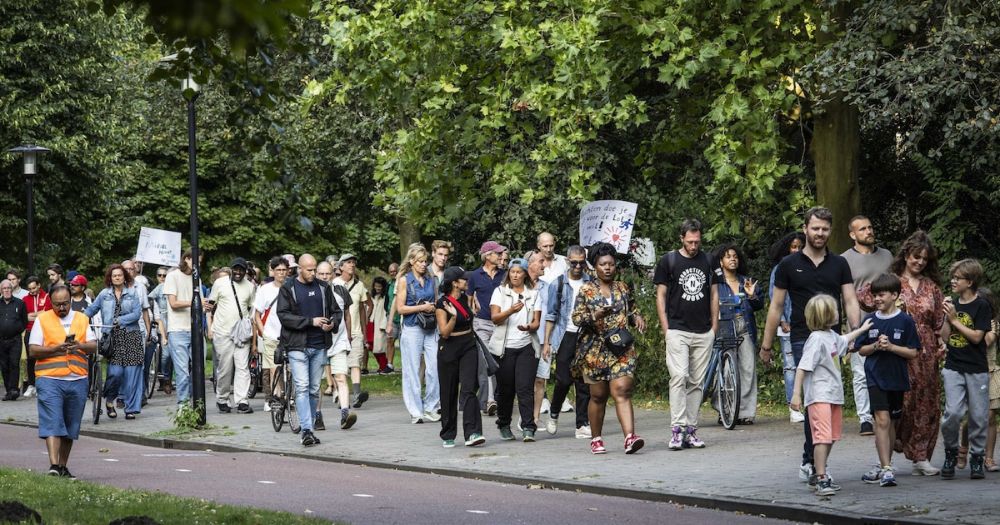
point(729, 388)
point(254, 366)
point(293, 415)
point(277, 408)
point(95, 390)
point(154, 371)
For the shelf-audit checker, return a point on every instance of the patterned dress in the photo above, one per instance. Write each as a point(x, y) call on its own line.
point(127, 346)
point(917, 431)
point(592, 361)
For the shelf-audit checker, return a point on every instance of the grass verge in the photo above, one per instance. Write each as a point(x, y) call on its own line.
point(60, 501)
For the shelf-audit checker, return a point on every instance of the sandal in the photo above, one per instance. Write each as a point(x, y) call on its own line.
point(991, 465)
point(110, 409)
point(963, 457)
point(129, 415)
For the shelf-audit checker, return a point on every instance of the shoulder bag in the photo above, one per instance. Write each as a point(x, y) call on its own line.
point(242, 331)
point(618, 340)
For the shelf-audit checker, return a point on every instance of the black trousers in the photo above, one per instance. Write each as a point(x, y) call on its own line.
point(564, 380)
point(29, 369)
point(517, 377)
point(458, 374)
point(10, 363)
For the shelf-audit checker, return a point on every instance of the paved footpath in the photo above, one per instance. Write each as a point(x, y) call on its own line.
point(751, 470)
point(345, 493)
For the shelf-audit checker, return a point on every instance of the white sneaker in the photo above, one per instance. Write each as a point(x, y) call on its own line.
point(924, 468)
point(567, 406)
point(583, 432)
point(805, 471)
point(30, 391)
point(545, 406)
point(519, 427)
point(432, 415)
point(267, 407)
point(795, 416)
point(552, 425)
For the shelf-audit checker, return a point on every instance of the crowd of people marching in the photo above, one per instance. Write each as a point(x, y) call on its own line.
point(477, 341)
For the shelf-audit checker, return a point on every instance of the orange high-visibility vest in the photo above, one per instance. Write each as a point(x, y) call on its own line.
point(54, 334)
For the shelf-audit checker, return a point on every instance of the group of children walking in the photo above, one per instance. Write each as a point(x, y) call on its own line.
point(888, 338)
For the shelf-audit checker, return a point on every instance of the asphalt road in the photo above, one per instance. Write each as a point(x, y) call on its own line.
point(344, 493)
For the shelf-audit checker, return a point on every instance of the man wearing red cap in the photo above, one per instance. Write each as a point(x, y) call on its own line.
point(78, 290)
point(482, 282)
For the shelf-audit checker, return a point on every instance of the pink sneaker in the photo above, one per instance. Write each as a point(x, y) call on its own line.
point(691, 439)
point(597, 446)
point(676, 438)
point(633, 443)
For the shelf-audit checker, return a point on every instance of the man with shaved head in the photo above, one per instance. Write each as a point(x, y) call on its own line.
point(309, 316)
point(553, 263)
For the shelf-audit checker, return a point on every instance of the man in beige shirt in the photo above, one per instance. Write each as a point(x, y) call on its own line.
point(360, 310)
point(232, 300)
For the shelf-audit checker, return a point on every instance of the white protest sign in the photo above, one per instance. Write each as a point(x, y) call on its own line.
point(608, 221)
point(645, 253)
point(159, 247)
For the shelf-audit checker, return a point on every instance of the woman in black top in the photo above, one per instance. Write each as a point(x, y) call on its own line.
point(458, 361)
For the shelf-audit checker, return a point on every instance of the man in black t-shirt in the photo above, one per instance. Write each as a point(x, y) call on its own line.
point(688, 306)
point(803, 275)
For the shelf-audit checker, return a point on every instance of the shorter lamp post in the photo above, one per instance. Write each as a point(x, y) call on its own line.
point(30, 153)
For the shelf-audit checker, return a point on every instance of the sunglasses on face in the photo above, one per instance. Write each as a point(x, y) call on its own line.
point(161, 275)
point(578, 263)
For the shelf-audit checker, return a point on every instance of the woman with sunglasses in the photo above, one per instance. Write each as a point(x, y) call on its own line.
point(517, 312)
point(604, 309)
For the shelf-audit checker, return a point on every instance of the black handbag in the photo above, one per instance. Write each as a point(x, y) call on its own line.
point(426, 320)
point(618, 341)
point(105, 348)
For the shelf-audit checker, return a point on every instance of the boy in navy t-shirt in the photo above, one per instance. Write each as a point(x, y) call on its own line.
point(889, 343)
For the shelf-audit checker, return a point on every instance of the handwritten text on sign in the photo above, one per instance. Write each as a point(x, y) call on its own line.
point(159, 247)
point(608, 221)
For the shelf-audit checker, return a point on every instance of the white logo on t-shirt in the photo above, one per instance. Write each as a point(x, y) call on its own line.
point(692, 282)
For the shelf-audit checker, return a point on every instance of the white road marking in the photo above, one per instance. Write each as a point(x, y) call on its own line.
point(111, 460)
point(182, 470)
point(478, 511)
point(362, 495)
point(265, 482)
point(179, 455)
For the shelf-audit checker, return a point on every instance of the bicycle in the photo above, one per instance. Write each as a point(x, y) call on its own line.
point(283, 405)
point(154, 372)
point(95, 391)
point(723, 375)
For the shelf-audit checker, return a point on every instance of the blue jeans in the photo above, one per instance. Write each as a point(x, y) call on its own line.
point(414, 343)
point(807, 446)
point(125, 382)
point(180, 353)
point(788, 362)
point(307, 371)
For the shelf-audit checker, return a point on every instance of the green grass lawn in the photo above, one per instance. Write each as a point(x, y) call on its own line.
point(62, 501)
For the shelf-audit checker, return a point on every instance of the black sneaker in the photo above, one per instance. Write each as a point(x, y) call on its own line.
point(360, 399)
point(977, 470)
point(867, 429)
point(308, 439)
point(950, 460)
point(506, 434)
point(54, 470)
point(65, 473)
point(364, 371)
point(244, 408)
point(347, 421)
point(224, 408)
point(318, 423)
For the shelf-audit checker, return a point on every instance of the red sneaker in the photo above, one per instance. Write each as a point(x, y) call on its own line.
point(633, 443)
point(597, 446)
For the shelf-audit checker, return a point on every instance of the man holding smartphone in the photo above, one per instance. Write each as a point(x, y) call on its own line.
point(60, 341)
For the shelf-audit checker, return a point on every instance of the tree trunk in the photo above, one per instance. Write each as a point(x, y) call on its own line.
point(408, 234)
point(836, 152)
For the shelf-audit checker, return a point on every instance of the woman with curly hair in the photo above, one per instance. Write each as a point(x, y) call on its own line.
point(916, 265)
point(605, 359)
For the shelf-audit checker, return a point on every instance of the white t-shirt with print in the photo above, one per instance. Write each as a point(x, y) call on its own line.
point(340, 341)
point(823, 382)
point(517, 338)
point(266, 300)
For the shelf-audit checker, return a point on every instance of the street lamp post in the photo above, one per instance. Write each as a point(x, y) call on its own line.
point(191, 90)
point(30, 153)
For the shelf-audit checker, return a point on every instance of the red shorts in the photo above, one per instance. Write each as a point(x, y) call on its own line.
point(826, 422)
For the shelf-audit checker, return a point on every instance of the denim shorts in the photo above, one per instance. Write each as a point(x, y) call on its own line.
point(60, 406)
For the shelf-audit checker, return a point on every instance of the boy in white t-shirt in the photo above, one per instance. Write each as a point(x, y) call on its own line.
point(818, 374)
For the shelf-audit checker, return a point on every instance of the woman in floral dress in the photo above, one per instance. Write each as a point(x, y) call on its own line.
point(916, 265)
point(603, 305)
